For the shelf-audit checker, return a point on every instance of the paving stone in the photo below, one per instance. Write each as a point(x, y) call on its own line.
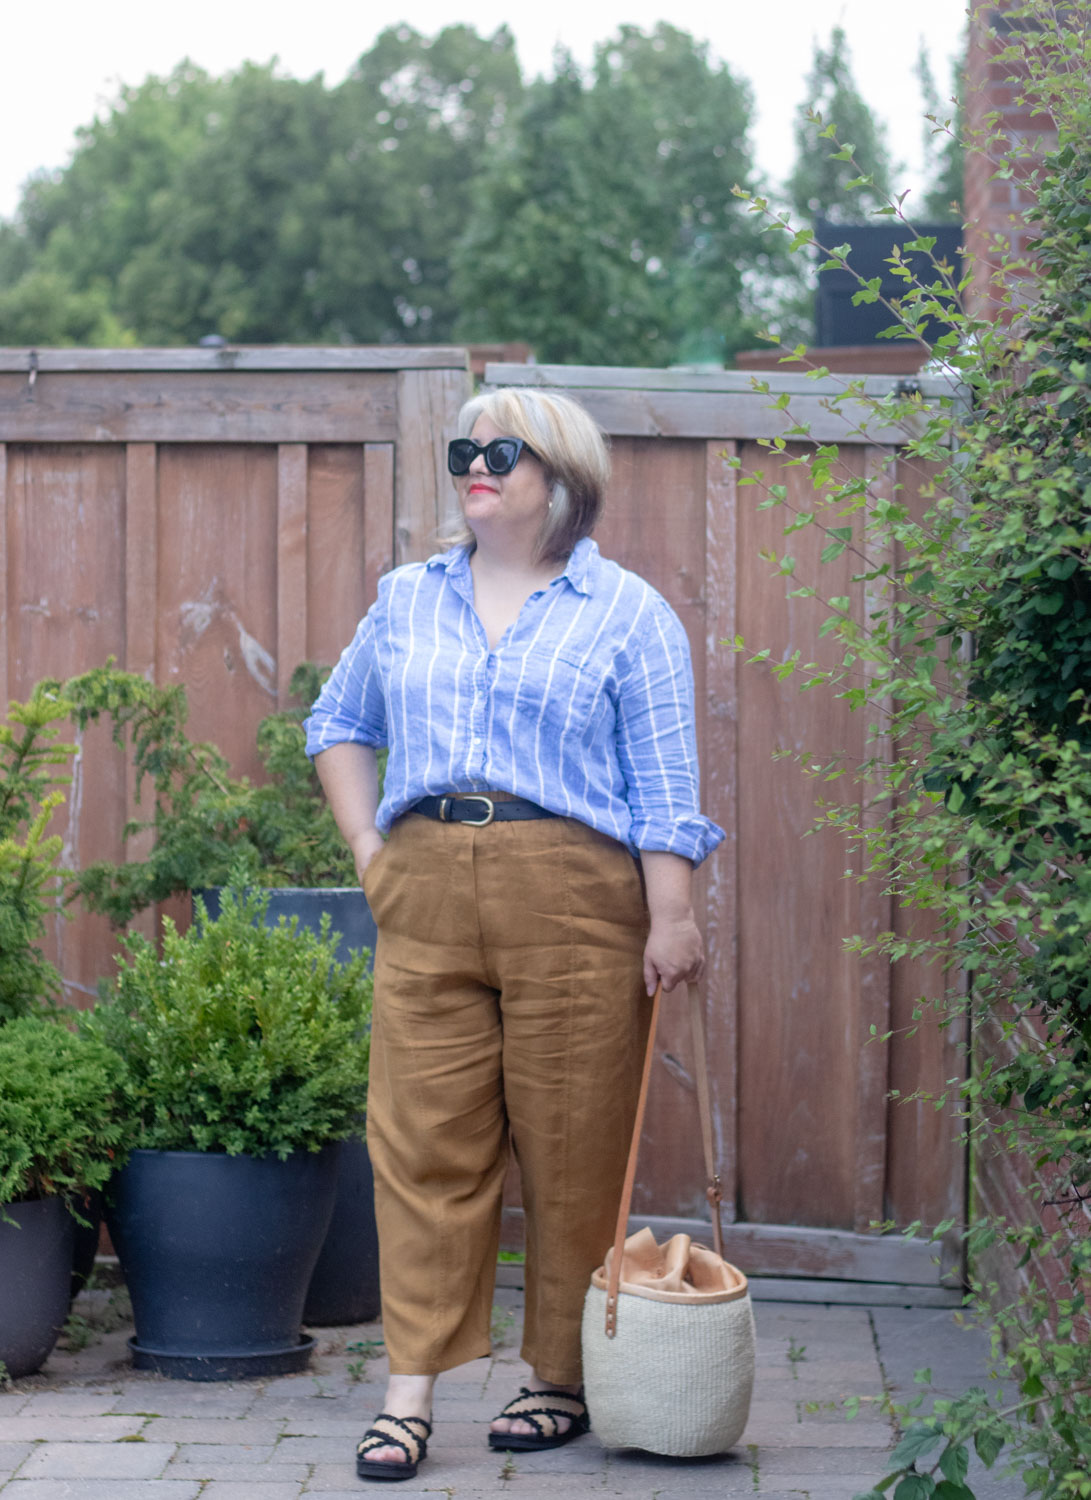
point(169, 1398)
point(582, 1457)
point(92, 1403)
point(253, 1489)
point(818, 1461)
point(341, 1476)
point(237, 1473)
point(11, 1456)
point(209, 1429)
point(821, 1487)
point(48, 1427)
point(225, 1453)
point(97, 1461)
point(343, 1494)
point(348, 1427)
point(818, 1435)
point(310, 1450)
point(101, 1489)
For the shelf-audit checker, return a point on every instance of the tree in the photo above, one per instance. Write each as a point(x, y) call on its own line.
point(944, 153)
point(266, 208)
point(819, 185)
point(606, 230)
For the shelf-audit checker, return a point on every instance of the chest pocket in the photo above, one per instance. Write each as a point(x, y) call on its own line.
point(563, 696)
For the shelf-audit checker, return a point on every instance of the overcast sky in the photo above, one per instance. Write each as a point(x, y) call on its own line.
point(62, 61)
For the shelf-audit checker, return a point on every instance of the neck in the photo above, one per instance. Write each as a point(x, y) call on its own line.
point(503, 552)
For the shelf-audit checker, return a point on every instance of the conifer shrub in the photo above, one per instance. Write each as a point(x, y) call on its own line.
point(63, 1125)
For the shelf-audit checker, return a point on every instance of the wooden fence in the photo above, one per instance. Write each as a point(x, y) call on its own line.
point(215, 517)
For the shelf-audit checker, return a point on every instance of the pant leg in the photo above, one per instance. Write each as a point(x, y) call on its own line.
point(575, 1017)
point(437, 1131)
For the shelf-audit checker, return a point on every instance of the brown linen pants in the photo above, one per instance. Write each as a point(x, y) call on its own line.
point(508, 999)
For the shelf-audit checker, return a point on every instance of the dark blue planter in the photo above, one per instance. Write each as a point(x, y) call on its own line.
point(345, 1285)
point(35, 1271)
point(217, 1253)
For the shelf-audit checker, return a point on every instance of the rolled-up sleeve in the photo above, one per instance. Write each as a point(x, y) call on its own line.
point(657, 743)
point(351, 705)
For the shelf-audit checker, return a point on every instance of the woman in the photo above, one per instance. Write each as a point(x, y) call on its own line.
point(541, 803)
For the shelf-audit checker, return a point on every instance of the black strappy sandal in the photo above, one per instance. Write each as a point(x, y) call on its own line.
point(539, 1408)
point(393, 1432)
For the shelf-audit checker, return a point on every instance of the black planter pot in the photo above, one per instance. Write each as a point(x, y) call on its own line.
point(217, 1253)
point(345, 1284)
point(35, 1270)
point(85, 1238)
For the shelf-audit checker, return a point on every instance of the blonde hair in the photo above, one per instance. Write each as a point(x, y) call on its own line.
point(573, 452)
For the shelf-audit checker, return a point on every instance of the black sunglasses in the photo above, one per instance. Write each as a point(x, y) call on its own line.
point(501, 455)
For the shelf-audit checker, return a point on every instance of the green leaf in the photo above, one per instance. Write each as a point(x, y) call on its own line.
point(832, 550)
point(987, 1446)
point(915, 1487)
point(920, 1439)
point(954, 1463)
point(948, 1490)
point(1048, 604)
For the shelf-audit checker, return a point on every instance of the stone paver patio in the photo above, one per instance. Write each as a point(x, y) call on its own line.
point(90, 1428)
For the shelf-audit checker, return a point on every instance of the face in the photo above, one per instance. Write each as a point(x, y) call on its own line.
point(519, 499)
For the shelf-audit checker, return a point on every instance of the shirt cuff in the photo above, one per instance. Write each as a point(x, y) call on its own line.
point(692, 837)
point(323, 734)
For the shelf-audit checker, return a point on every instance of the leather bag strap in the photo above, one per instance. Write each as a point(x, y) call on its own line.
point(713, 1191)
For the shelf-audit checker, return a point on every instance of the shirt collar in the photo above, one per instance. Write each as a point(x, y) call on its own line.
point(580, 570)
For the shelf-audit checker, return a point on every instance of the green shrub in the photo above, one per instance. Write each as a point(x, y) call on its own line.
point(32, 886)
point(974, 666)
point(242, 1037)
point(209, 825)
point(61, 1111)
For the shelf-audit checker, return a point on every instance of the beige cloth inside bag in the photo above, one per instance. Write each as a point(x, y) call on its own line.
point(677, 1271)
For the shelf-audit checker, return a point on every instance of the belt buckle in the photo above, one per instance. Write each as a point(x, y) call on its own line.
point(479, 822)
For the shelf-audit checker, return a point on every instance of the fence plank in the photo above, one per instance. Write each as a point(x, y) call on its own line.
point(710, 414)
point(218, 589)
point(141, 615)
point(66, 583)
point(799, 991)
point(584, 378)
point(336, 548)
point(427, 410)
point(378, 515)
point(926, 1160)
point(273, 406)
point(720, 800)
point(240, 357)
point(291, 564)
point(876, 913)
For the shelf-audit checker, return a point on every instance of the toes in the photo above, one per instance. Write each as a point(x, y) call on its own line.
point(383, 1455)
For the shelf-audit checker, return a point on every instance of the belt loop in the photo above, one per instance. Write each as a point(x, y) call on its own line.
point(444, 808)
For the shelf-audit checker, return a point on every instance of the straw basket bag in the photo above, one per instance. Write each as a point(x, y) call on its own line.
point(668, 1330)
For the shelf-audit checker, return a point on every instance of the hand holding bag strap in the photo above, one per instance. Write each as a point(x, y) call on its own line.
point(712, 1192)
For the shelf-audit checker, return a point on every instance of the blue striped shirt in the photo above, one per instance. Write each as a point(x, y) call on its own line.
point(585, 706)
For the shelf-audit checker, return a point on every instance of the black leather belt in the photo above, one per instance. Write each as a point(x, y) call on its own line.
point(479, 811)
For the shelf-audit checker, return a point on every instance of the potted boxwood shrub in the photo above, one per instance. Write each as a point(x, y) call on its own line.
point(278, 835)
point(244, 1051)
point(61, 1132)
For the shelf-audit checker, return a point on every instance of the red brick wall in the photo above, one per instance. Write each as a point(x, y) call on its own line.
point(1000, 126)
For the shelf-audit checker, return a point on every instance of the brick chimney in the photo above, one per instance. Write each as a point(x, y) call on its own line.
point(1002, 126)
